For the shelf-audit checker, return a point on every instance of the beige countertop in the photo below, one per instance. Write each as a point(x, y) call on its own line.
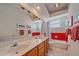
point(21, 49)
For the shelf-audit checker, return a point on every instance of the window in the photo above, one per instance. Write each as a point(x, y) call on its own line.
point(36, 26)
point(54, 24)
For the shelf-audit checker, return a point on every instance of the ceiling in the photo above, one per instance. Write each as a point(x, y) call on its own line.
point(51, 7)
point(43, 10)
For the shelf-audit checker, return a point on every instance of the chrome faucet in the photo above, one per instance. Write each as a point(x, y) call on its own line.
point(15, 44)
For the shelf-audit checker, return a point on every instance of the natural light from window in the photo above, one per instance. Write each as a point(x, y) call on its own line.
point(55, 24)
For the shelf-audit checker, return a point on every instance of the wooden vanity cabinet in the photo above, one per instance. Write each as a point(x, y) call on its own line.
point(40, 50)
point(43, 48)
point(46, 47)
point(33, 52)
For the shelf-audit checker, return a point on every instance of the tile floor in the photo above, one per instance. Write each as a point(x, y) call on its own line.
point(55, 50)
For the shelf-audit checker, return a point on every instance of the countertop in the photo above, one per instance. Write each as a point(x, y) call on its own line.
point(21, 49)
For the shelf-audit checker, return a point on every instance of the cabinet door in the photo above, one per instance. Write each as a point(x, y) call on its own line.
point(33, 52)
point(40, 45)
point(41, 52)
point(46, 47)
point(41, 49)
point(46, 43)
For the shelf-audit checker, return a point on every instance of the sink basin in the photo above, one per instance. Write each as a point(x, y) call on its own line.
point(13, 50)
point(20, 49)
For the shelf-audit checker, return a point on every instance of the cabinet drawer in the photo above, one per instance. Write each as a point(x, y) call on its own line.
point(33, 52)
point(40, 45)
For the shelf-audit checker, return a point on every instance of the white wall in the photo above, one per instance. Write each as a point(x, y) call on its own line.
point(73, 10)
point(56, 15)
point(45, 28)
point(41, 13)
point(74, 48)
point(62, 16)
point(10, 15)
point(63, 21)
point(63, 24)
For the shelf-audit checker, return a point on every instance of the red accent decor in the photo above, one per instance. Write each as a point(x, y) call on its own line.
point(35, 33)
point(75, 33)
point(59, 36)
point(68, 31)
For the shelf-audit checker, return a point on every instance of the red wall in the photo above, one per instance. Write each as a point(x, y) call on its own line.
point(59, 36)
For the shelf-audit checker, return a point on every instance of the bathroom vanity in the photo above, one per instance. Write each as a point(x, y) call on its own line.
point(32, 47)
point(40, 49)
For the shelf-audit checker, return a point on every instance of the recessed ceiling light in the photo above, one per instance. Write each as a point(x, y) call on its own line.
point(38, 7)
point(57, 4)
